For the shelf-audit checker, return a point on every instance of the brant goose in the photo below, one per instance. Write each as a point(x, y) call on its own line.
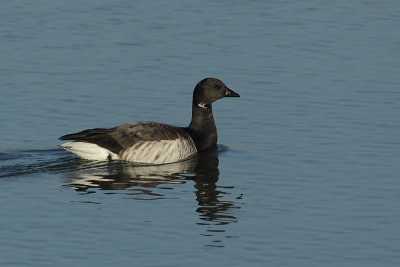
point(152, 142)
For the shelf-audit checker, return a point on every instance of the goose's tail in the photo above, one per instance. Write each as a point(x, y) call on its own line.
point(89, 151)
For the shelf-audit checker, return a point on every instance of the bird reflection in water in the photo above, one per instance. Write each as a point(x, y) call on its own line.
point(153, 182)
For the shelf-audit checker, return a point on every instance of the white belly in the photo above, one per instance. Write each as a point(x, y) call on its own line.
point(159, 152)
point(151, 152)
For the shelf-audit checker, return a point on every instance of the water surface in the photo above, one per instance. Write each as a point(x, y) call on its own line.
point(307, 167)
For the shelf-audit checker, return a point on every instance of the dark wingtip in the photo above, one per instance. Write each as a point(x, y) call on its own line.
point(64, 137)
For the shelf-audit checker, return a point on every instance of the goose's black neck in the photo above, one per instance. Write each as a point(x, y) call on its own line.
point(202, 127)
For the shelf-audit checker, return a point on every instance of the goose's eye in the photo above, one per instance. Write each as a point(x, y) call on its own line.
point(218, 86)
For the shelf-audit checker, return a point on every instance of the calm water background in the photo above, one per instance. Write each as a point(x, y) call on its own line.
point(307, 168)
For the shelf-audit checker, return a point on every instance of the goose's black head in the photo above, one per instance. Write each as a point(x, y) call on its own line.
point(210, 90)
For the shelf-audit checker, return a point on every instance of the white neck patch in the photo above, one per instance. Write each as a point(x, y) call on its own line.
point(202, 105)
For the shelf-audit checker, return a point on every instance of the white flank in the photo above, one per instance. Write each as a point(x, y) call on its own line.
point(89, 151)
point(159, 152)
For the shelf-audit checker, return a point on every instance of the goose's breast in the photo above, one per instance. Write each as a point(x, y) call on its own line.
point(160, 151)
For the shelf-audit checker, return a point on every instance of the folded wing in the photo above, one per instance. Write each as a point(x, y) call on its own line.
point(147, 142)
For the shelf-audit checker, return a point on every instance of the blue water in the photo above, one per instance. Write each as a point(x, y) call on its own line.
point(307, 168)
